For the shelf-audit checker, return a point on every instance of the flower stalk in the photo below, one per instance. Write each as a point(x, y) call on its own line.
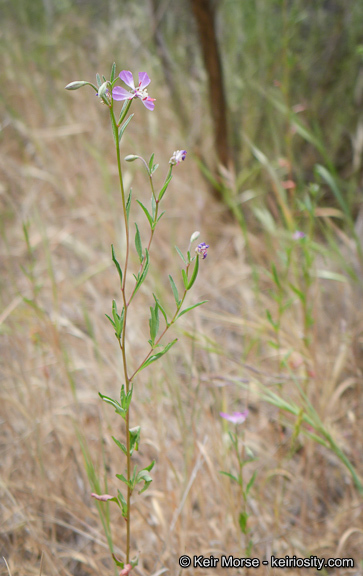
point(108, 94)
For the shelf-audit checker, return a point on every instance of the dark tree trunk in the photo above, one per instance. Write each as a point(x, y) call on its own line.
point(204, 14)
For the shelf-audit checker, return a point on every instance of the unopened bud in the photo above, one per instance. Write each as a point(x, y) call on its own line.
point(194, 236)
point(75, 85)
point(131, 158)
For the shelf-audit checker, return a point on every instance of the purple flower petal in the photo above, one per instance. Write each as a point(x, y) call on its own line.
point(119, 93)
point(149, 104)
point(235, 417)
point(298, 235)
point(127, 77)
point(144, 80)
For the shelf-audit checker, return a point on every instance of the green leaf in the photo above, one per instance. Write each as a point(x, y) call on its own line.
point(123, 503)
point(153, 169)
point(114, 403)
point(155, 357)
point(164, 188)
point(154, 322)
point(124, 126)
point(191, 307)
point(123, 479)
point(194, 275)
point(112, 322)
point(153, 206)
point(275, 276)
point(120, 445)
point(114, 260)
point(134, 438)
point(298, 293)
point(147, 214)
point(251, 483)
point(151, 161)
point(126, 398)
point(144, 272)
point(138, 245)
point(99, 81)
point(162, 309)
point(113, 71)
point(185, 279)
point(117, 319)
point(229, 476)
point(144, 476)
point(118, 563)
point(175, 290)
point(180, 254)
point(242, 520)
point(128, 204)
point(275, 325)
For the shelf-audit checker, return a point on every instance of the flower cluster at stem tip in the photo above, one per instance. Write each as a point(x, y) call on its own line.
point(177, 157)
point(202, 249)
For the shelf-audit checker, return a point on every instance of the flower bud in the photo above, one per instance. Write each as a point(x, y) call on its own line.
point(75, 85)
point(102, 91)
point(194, 236)
point(131, 158)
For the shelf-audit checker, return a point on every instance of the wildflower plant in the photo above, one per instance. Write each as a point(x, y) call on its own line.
point(160, 322)
point(244, 456)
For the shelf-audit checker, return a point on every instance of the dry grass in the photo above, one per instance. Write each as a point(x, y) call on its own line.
point(57, 352)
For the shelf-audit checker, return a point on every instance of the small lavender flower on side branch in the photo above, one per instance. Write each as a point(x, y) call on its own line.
point(108, 93)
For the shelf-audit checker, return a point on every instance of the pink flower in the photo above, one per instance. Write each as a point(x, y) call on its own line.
point(201, 249)
point(177, 157)
point(298, 235)
point(102, 497)
point(235, 417)
point(119, 93)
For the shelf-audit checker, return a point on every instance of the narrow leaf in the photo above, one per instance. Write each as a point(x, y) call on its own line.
point(113, 71)
point(128, 204)
point(185, 279)
point(175, 290)
point(164, 188)
point(134, 438)
point(138, 245)
point(123, 479)
point(180, 254)
point(124, 126)
point(151, 161)
point(120, 445)
point(229, 476)
point(153, 206)
point(114, 259)
point(191, 307)
point(112, 322)
point(251, 483)
point(194, 275)
point(114, 403)
point(147, 214)
point(162, 309)
point(155, 357)
point(275, 276)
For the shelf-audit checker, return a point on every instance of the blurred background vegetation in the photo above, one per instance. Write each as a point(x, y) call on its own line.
point(283, 316)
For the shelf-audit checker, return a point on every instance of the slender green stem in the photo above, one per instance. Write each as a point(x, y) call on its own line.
point(123, 336)
point(172, 321)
